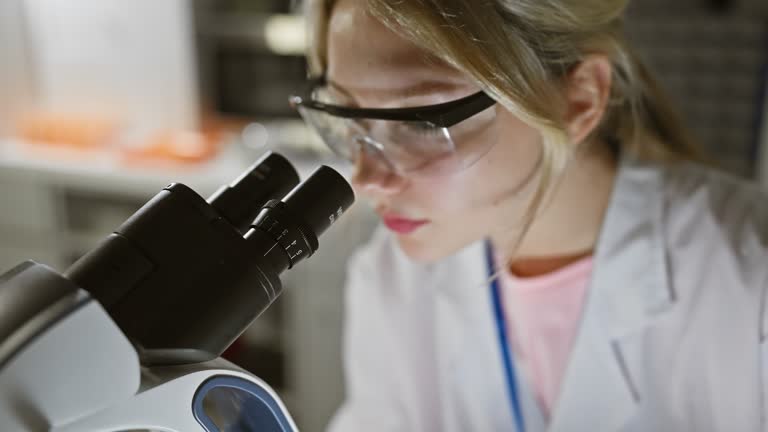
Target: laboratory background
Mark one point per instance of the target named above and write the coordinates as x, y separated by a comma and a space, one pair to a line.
105, 102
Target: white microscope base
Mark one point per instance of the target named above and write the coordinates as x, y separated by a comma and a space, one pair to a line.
167, 407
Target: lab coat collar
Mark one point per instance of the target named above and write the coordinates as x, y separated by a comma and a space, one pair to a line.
630, 289
631, 268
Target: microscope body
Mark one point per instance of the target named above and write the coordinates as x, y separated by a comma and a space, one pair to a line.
129, 338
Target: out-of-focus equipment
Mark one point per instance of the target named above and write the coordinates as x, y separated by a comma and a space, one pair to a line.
129, 337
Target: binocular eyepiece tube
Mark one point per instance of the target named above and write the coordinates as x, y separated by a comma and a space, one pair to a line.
184, 276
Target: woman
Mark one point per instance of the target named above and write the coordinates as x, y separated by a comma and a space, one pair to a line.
553, 260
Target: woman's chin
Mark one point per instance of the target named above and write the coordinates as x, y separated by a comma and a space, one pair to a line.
422, 250
417, 252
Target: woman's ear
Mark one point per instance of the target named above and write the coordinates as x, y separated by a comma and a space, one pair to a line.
588, 88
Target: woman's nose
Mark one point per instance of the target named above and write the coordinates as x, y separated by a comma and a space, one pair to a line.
374, 174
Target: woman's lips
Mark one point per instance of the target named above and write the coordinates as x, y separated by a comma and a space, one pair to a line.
402, 225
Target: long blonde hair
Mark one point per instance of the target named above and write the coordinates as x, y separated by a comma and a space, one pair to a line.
518, 51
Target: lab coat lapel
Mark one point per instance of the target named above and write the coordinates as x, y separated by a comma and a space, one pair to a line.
628, 291
451, 316
471, 375
451, 334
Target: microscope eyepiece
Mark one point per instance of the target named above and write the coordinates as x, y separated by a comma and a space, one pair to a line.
296, 222
337, 196
271, 177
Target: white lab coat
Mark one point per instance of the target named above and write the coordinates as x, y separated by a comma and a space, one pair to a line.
673, 336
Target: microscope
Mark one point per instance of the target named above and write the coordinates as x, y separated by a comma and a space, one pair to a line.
130, 337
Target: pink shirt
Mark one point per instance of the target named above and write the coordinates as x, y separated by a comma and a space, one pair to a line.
543, 314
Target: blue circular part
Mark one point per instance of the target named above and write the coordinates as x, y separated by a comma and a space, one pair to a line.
260, 412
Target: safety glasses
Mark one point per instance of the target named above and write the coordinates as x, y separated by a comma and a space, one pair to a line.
422, 142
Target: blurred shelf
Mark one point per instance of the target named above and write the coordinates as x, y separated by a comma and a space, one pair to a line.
104, 172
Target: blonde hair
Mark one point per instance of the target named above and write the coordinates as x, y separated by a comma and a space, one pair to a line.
518, 51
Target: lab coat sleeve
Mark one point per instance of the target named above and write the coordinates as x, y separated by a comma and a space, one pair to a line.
372, 402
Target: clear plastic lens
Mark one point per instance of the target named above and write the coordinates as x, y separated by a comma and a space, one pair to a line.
417, 149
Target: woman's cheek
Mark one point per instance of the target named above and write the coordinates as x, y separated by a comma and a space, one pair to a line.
441, 196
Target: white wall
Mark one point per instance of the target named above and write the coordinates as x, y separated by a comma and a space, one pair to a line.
130, 59
15, 91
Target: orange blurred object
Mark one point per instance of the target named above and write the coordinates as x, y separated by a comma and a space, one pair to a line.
178, 146
78, 131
